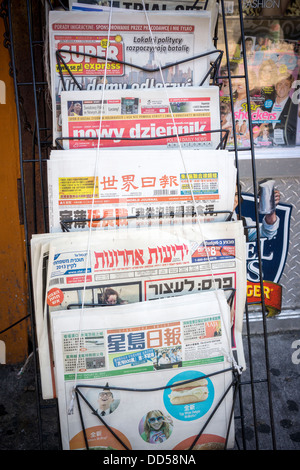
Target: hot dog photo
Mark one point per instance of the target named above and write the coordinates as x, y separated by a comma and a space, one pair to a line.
191, 392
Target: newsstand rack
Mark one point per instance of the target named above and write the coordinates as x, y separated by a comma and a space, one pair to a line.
25, 23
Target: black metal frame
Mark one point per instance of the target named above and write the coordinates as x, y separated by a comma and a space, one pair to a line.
41, 145
234, 383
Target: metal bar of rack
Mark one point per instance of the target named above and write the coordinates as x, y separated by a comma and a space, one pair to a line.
35, 135
254, 178
234, 383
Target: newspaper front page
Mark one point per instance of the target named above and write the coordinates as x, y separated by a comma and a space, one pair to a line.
211, 5
101, 268
157, 118
172, 345
108, 190
126, 51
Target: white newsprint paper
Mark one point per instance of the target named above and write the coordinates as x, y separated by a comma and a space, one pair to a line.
117, 267
161, 118
109, 190
176, 350
79, 43
159, 5
162, 5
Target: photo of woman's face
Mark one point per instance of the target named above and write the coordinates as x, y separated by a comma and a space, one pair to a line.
156, 422
111, 299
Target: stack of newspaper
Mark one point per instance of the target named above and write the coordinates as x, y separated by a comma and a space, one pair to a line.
127, 269
140, 205
139, 189
123, 49
183, 358
140, 265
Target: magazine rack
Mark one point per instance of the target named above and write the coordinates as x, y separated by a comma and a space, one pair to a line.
212, 72
234, 384
35, 137
67, 223
221, 145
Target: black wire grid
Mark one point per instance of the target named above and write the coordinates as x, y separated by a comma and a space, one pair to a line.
234, 384
35, 144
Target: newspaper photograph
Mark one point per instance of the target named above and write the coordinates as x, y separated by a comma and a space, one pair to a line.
162, 118
182, 364
86, 47
100, 269
106, 190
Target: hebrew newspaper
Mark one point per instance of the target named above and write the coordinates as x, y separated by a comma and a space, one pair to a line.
117, 267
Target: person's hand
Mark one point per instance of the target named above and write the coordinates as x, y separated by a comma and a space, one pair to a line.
71, 108
168, 420
271, 218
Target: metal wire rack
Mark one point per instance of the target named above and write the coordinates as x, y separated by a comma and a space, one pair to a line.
26, 35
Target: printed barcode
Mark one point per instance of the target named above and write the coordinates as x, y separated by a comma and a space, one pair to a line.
164, 192
60, 280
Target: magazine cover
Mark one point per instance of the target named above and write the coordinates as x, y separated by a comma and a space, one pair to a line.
125, 267
183, 363
187, 117
82, 43
273, 72
137, 189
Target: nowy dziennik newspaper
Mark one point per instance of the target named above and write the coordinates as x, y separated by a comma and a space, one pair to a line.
132, 50
101, 268
161, 118
107, 190
179, 346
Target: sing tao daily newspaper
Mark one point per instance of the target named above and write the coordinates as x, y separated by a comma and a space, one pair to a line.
148, 376
99, 268
107, 190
